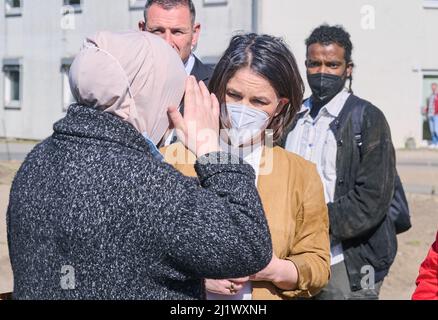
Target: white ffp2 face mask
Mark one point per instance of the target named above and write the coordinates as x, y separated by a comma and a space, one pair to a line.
246, 123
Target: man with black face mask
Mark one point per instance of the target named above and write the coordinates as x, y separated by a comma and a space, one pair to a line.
350, 142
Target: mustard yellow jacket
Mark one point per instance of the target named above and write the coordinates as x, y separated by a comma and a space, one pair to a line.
293, 198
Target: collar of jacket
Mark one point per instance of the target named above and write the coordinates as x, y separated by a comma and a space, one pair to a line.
344, 113
89, 123
201, 71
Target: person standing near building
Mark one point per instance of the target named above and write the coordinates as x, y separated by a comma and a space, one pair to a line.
357, 169
432, 115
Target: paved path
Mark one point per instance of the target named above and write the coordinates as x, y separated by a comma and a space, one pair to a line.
419, 171
15, 151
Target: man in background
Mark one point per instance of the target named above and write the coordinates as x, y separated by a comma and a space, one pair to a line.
175, 22
349, 140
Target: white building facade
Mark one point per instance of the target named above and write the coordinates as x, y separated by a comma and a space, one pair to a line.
38, 40
396, 50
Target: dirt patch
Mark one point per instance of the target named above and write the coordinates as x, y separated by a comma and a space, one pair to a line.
413, 247
8, 170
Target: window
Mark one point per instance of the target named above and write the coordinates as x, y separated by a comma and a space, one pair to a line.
72, 6
137, 4
430, 4
12, 83
67, 97
13, 8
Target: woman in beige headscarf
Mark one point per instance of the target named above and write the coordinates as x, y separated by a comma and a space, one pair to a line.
129, 82
95, 214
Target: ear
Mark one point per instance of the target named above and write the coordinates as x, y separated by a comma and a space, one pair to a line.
283, 102
196, 33
350, 67
142, 26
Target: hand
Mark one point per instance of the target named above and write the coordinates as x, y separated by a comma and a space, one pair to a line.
199, 129
268, 273
226, 287
282, 273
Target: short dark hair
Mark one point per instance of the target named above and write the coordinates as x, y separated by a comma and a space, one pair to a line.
327, 35
270, 58
170, 4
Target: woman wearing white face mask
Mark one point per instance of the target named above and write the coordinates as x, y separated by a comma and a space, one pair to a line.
259, 87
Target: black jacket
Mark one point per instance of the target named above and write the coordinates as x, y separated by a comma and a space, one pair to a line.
202, 72
92, 199
364, 190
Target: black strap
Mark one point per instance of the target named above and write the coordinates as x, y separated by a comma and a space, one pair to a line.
355, 107
357, 121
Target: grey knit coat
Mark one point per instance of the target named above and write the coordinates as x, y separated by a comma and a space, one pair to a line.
92, 215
